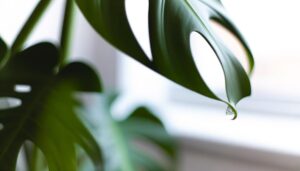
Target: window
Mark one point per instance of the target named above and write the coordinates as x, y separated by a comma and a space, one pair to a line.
272, 31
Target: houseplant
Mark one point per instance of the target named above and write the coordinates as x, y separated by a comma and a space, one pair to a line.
47, 112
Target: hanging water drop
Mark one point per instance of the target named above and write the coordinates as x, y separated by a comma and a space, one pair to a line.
231, 113
1, 126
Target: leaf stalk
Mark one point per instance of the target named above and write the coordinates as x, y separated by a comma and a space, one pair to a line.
66, 32
29, 26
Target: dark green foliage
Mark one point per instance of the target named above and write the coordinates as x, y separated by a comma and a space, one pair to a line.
3, 50
47, 115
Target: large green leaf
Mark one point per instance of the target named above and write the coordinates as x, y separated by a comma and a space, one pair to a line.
47, 114
171, 23
118, 138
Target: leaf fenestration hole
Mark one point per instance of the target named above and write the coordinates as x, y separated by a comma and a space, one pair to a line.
208, 64
231, 42
9, 103
137, 14
22, 157
20, 88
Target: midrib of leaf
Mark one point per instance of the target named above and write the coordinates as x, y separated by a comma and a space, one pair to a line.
187, 3
162, 28
209, 33
199, 19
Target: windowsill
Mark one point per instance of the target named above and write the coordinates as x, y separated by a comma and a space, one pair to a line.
259, 131
255, 137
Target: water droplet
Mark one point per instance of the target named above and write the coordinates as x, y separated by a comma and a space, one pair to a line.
1, 126
230, 113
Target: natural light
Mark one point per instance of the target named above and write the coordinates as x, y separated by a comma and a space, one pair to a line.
267, 126
268, 119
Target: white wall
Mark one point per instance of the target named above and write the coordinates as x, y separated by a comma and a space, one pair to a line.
87, 45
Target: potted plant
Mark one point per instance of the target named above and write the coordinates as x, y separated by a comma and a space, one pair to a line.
39, 109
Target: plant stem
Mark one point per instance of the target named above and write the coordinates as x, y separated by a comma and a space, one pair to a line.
29, 26
66, 33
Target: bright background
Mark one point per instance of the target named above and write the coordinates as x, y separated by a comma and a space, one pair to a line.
268, 122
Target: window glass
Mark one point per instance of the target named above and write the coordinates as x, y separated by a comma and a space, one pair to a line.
272, 31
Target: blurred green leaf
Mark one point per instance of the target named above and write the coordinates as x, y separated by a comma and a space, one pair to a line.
171, 23
3, 50
47, 114
142, 124
119, 138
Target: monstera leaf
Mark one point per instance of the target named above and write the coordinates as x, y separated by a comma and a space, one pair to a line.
46, 110
171, 23
119, 138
